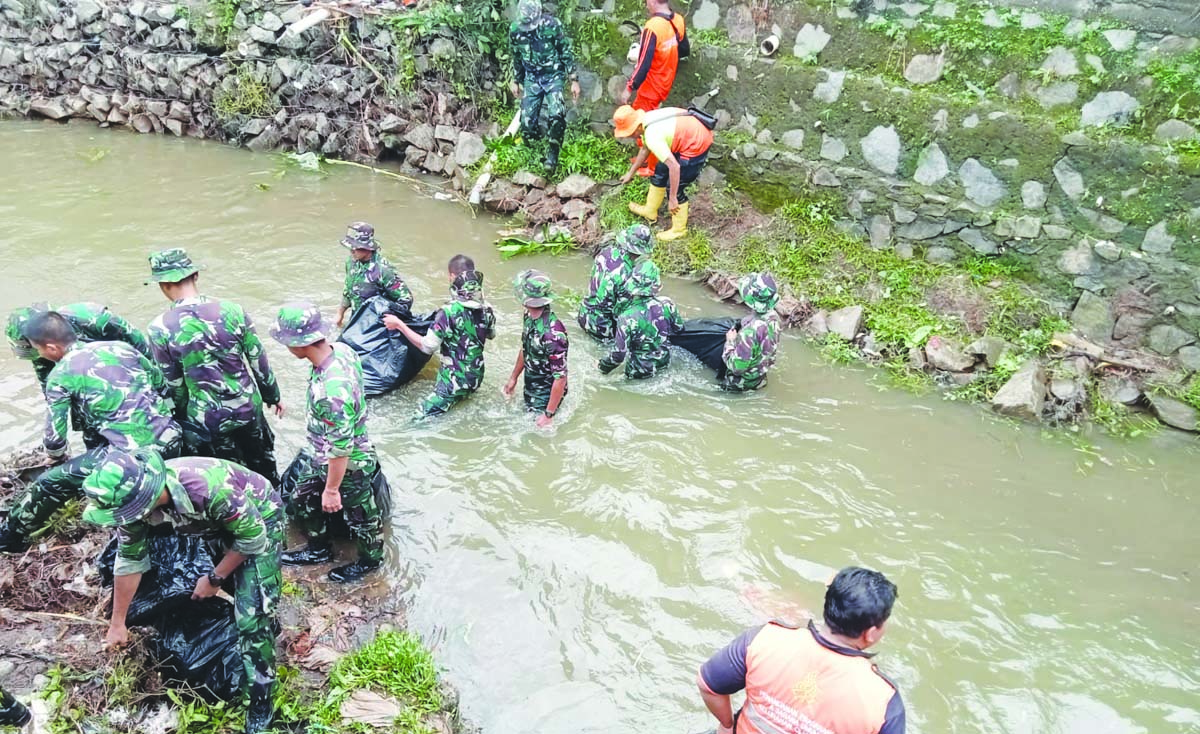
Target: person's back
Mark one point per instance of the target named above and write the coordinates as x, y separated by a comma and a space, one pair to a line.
464, 327
599, 308
542, 52
649, 323
674, 130
663, 37
751, 354
91, 322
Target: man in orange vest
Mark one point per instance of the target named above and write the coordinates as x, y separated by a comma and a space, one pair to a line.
663, 42
811, 680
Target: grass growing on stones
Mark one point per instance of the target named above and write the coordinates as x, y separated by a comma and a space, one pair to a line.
1117, 420
710, 37
598, 157
248, 97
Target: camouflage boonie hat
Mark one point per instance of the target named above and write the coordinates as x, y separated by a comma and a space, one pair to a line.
298, 325
171, 266
759, 291
534, 287
360, 236
529, 12
124, 488
467, 286
645, 280
636, 239
17, 321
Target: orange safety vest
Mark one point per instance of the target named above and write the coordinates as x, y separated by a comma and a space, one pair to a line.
661, 77
796, 685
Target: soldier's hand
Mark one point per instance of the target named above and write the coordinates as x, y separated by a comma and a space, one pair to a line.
331, 500
204, 589
509, 388
391, 322
515, 89
575, 91
279, 409
544, 421
116, 638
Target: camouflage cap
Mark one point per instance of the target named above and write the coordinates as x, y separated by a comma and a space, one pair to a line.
360, 236
171, 266
529, 12
759, 291
124, 488
298, 325
535, 288
636, 239
467, 286
645, 280
15, 331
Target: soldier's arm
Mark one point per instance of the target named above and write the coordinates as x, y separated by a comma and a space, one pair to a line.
252, 347
123, 331
337, 417
158, 381
232, 511
566, 57
133, 559
58, 416
673, 317
172, 370
619, 350
518, 55
396, 289
739, 351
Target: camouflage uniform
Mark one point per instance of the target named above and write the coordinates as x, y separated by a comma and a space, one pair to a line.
337, 427
607, 291
373, 277
215, 364
542, 62
750, 349
643, 327
121, 398
543, 342
459, 331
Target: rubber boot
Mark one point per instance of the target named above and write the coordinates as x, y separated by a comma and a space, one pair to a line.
552, 157
12, 711
11, 542
649, 210
261, 710
317, 551
354, 571
678, 224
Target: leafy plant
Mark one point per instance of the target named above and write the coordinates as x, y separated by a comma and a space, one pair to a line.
547, 242
248, 97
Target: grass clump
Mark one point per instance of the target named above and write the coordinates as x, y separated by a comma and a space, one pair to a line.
598, 157
248, 96
713, 37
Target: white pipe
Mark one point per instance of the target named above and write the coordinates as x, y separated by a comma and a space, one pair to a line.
486, 177
308, 21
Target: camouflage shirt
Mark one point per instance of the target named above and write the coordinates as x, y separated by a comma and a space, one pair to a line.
93, 322
208, 350
643, 329
117, 393
751, 352
374, 277
542, 53
211, 498
544, 343
337, 410
459, 331
607, 296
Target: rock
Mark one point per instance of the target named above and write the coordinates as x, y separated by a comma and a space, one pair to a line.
1109, 108
731, 73
1132, 325
528, 178
846, 322
1060, 62
810, 41
879, 230
793, 139
86, 11
1078, 260
982, 186
765, 138
448, 133
1076, 139
1032, 20
1096, 63
1069, 180
576, 186
922, 229
442, 48
392, 123
421, 136
992, 19
832, 148
1064, 389
1024, 395
902, 215
577, 209
1106, 224
971, 122
931, 166
1057, 95
469, 149
1189, 357
830, 90
1120, 39
1166, 339
904, 250
991, 348
706, 17
1056, 232
825, 177
1009, 86
1121, 390
1174, 413
739, 22
271, 22
881, 149
925, 68
1107, 250
1027, 227
256, 33
1093, 317
817, 325
1173, 131
55, 109
940, 255
945, 9
414, 156
1158, 240
749, 150
1033, 195
945, 355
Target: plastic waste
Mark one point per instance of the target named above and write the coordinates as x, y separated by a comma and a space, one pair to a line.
388, 360
705, 338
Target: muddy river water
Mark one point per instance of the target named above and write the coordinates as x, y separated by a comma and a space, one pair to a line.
572, 581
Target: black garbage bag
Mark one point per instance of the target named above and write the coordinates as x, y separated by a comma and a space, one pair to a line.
176, 561
337, 521
705, 338
388, 359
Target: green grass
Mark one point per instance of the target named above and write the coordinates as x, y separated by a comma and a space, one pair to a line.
249, 97
599, 158
714, 37
1117, 420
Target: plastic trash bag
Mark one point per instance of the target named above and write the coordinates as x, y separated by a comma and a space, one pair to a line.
705, 338
176, 561
388, 360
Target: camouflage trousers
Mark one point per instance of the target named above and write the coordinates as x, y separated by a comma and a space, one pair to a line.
306, 481
448, 390
543, 96
257, 585
252, 446
598, 322
639, 366
60, 484
739, 383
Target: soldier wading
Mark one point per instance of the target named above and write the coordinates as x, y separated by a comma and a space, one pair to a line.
608, 289
369, 274
644, 327
750, 346
543, 355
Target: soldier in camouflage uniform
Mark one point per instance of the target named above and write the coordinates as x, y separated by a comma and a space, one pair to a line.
459, 331
120, 396
607, 296
92, 322
750, 347
644, 327
335, 471
369, 274
542, 61
212, 498
543, 355
218, 371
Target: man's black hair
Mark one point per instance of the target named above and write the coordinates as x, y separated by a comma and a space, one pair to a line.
460, 264
49, 327
857, 600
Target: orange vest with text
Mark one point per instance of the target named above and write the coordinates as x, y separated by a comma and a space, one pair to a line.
661, 78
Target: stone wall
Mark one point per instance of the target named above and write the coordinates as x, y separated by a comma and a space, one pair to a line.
1178, 16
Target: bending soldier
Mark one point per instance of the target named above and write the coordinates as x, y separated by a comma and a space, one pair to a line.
543, 354
608, 289
644, 327
750, 347
369, 274
91, 322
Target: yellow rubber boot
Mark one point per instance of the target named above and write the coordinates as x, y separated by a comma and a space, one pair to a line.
678, 225
649, 210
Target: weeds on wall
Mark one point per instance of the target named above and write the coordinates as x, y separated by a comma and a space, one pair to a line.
247, 96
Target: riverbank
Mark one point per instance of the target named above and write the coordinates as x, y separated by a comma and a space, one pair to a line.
952, 211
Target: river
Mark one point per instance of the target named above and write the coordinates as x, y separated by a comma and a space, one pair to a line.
572, 581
